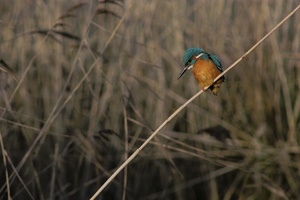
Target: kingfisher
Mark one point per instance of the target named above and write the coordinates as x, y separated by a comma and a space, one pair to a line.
205, 67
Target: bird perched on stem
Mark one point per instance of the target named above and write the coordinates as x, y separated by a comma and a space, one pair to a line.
205, 67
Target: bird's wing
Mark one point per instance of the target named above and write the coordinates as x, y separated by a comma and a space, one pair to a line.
216, 61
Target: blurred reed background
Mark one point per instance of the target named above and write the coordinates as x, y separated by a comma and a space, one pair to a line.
84, 79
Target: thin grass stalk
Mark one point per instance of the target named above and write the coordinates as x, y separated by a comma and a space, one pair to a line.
56, 110
5, 167
126, 146
50, 118
53, 176
18, 176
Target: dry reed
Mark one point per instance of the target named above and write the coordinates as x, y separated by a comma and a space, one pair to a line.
84, 84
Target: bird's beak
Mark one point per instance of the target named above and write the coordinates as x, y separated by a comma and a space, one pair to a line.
189, 66
183, 71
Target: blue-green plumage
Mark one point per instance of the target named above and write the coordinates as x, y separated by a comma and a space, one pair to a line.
187, 58
216, 61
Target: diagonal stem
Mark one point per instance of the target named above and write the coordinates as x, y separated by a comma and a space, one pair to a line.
126, 162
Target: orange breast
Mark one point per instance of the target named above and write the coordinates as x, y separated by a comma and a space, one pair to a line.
205, 72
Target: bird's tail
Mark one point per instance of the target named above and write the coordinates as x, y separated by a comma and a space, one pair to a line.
216, 86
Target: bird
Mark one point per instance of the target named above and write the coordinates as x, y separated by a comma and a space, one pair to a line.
205, 67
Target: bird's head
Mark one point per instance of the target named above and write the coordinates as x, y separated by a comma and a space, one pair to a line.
189, 59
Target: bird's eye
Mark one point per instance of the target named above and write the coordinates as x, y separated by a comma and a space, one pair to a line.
188, 62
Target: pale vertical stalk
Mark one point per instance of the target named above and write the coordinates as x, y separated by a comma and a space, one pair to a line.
126, 151
125, 141
52, 186
5, 167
